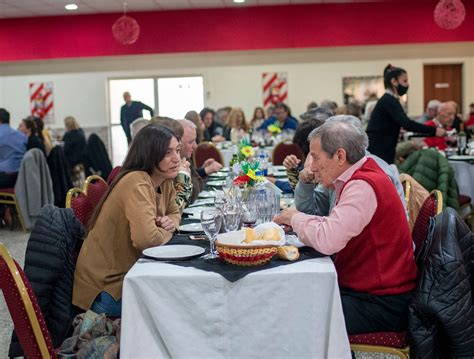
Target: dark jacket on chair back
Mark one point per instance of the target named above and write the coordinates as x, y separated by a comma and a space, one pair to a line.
50, 261
96, 158
441, 318
59, 175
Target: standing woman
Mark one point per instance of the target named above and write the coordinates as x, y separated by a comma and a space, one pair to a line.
28, 127
388, 116
74, 142
138, 211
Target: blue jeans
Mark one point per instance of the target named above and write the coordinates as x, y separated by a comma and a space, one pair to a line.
105, 303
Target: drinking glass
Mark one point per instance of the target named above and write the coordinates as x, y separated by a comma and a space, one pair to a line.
249, 214
232, 214
211, 221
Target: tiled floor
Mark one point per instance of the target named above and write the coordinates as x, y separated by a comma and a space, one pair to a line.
16, 243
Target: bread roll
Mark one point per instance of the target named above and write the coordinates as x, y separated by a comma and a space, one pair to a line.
290, 253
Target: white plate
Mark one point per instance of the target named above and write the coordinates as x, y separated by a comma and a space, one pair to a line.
461, 158
207, 194
279, 168
202, 201
191, 227
280, 174
215, 183
173, 252
216, 176
194, 210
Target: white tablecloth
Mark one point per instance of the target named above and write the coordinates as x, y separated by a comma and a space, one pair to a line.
464, 172
291, 311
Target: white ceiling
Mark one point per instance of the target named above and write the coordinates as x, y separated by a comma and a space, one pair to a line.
33, 8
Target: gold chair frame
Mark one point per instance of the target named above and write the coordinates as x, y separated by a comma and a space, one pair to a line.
402, 353
25, 298
407, 191
92, 179
71, 194
439, 200
10, 199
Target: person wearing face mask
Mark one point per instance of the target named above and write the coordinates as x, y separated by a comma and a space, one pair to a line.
388, 117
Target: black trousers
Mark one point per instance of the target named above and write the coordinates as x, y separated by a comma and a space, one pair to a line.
368, 313
7, 180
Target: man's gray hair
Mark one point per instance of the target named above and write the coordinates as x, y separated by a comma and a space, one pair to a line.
343, 131
319, 114
187, 123
137, 125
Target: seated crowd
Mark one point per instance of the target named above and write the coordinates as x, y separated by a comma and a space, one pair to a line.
338, 179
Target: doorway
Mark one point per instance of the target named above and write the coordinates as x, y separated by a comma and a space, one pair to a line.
444, 83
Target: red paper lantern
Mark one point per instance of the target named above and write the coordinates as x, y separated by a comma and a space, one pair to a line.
449, 14
126, 30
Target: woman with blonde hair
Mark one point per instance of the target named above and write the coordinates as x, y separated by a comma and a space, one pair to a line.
74, 142
236, 125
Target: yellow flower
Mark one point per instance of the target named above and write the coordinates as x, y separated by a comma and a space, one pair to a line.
247, 151
251, 174
274, 129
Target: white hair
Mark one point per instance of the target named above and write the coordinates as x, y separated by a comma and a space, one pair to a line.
187, 123
137, 125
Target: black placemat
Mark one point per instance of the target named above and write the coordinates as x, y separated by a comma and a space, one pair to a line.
229, 271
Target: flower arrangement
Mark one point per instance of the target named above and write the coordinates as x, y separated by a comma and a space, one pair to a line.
245, 152
248, 173
274, 128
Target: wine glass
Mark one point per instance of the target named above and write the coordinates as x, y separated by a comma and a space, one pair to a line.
249, 214
211, 221
232, 214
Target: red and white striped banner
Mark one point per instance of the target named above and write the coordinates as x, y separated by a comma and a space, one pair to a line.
41, 101
275, 88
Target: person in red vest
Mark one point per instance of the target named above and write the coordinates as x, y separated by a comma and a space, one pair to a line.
444, 119
367, 231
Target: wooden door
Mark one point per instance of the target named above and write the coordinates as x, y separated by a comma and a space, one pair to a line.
444, 83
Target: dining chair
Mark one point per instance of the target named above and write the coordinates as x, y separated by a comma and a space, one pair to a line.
204, 151
8, 197
284, 149
80, 204
395, 343
95, 187
406, 191
25, 312
113, 174
432, 206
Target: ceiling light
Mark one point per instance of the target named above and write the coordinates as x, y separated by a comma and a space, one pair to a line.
239, 1
71, 7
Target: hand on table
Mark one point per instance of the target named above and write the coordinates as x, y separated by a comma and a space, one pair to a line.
166, 223
212, 167
440, 132
285, 216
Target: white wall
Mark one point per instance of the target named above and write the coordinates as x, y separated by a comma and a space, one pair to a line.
80, 86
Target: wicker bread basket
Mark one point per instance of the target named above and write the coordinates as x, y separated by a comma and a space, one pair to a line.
246, 255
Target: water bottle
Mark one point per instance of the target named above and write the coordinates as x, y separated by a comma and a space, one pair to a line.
262, 159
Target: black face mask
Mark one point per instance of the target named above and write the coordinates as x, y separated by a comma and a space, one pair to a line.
402, 90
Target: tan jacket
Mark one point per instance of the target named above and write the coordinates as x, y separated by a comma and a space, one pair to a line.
125, 226
418, 195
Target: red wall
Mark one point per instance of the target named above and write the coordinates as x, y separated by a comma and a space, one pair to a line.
228, 29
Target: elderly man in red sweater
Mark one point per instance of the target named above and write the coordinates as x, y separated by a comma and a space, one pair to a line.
444, 119
367, 231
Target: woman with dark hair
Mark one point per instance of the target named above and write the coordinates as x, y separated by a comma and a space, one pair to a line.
137, 212
43, 134
214, 131
257, 118
388, 117
28, 127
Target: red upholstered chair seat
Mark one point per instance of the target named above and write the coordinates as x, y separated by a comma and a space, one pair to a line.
284, 149
115, 171
8, 190
387, 339
82, 208
462, 199
204, 151
95, 190
18, 312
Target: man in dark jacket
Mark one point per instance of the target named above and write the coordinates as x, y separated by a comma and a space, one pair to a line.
130, 112
441, 319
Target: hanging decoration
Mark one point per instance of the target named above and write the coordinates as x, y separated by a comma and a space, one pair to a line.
449, 14
126, 29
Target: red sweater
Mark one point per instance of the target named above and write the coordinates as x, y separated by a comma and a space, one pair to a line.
439, 142
380, 259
